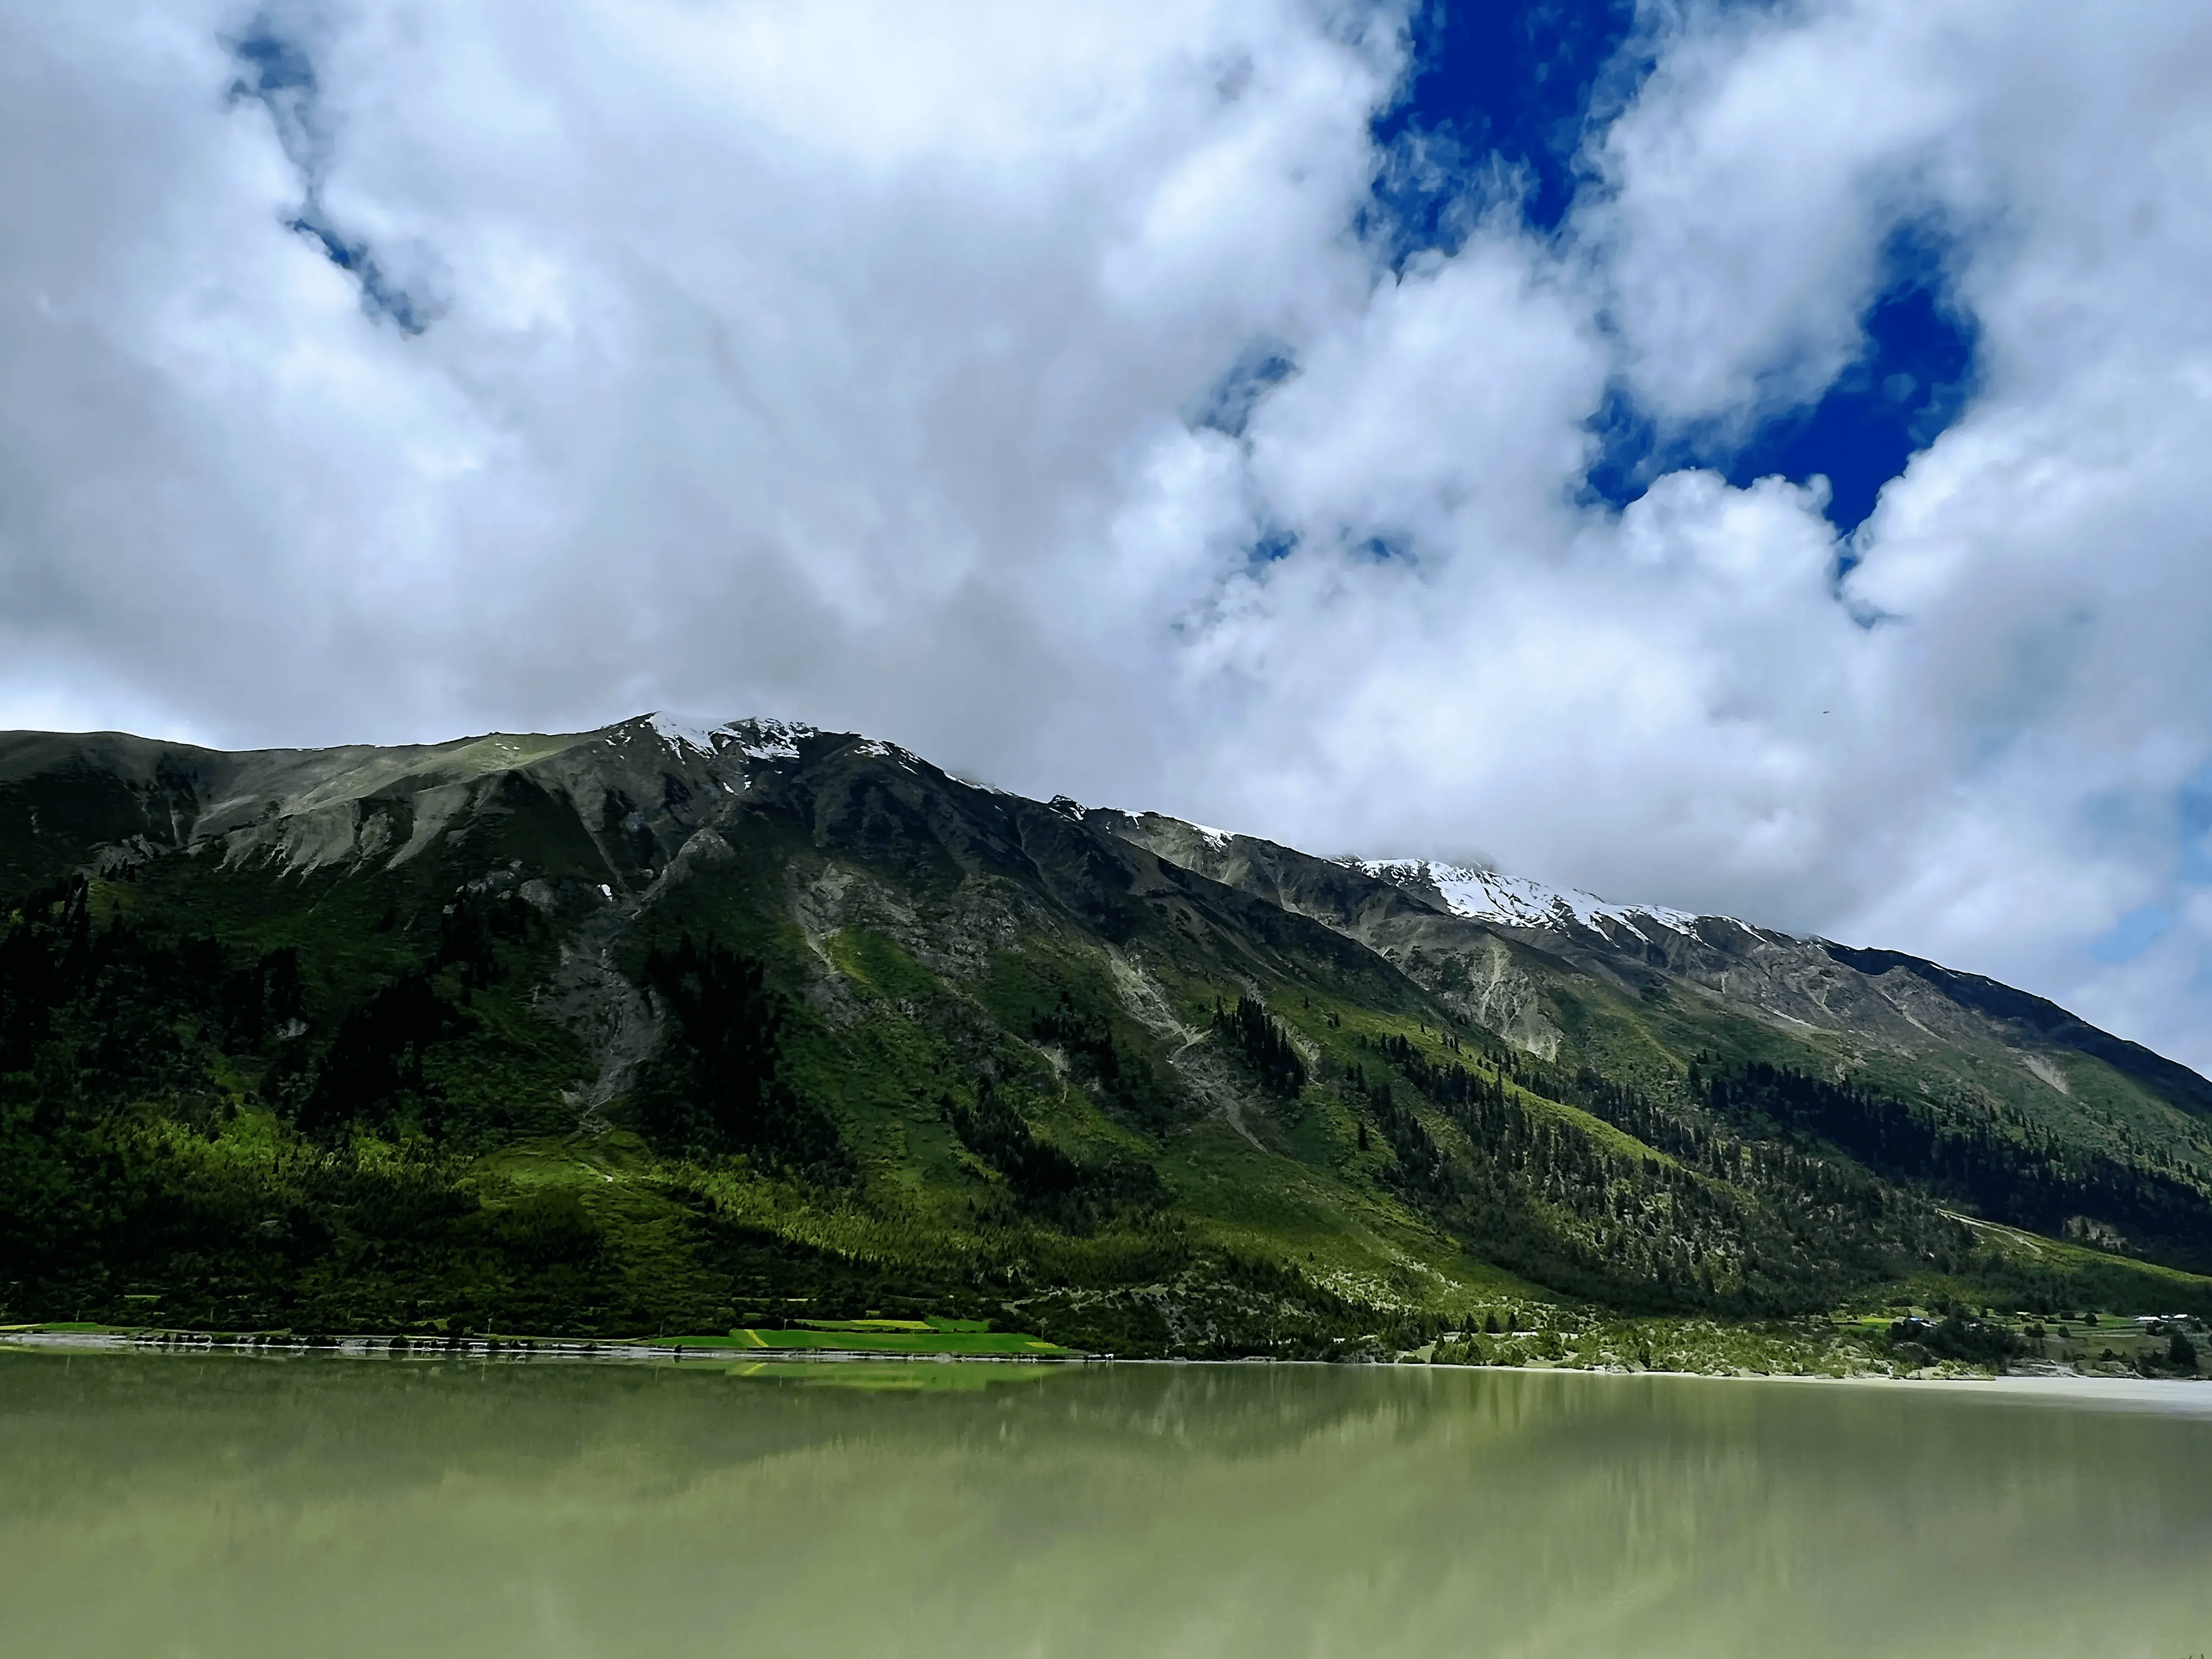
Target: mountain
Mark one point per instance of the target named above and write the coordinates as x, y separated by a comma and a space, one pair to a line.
1678, 982
675, 1026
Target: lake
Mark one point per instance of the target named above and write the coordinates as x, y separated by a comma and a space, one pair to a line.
177, 1506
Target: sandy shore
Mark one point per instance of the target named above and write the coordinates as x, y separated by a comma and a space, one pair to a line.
2179, 1395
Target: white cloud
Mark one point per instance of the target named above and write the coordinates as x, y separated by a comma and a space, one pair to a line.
834, 361
1747, 193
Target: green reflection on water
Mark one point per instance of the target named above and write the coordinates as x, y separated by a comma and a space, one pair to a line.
182, 1506
904, 1377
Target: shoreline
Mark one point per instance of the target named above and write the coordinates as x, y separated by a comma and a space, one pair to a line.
2135, 1392
605, 1350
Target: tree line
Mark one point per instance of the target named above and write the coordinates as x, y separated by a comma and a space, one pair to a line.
1993, 1162
1706, 1220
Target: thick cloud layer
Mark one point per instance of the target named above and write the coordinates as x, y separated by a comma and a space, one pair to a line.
1043, 390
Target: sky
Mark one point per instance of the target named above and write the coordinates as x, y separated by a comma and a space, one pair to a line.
1748, 458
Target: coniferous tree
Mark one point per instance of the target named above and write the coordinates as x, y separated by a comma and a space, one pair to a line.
1266, 1046
719, 1085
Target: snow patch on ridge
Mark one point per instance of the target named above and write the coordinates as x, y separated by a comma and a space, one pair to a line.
877, 746
1486, 895
678, 733
755, 739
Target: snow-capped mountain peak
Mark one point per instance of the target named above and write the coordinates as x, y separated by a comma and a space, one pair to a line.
755, 739
1517, 901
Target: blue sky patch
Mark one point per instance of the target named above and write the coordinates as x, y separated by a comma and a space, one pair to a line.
275, 70
1909, 381
1274, 544
1227, 406
1499, 92
1497, 105
2133, 934
2193, 807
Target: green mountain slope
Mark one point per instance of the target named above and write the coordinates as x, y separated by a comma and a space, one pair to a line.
2008, 1104
645, 1029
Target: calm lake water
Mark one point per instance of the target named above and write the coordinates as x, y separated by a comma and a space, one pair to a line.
171, 1506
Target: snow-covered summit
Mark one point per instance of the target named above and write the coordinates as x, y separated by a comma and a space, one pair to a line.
755, 739
1477, 893
1486, 895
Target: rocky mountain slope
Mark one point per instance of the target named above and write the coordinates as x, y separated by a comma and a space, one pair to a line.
1560, 971
669, 1026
